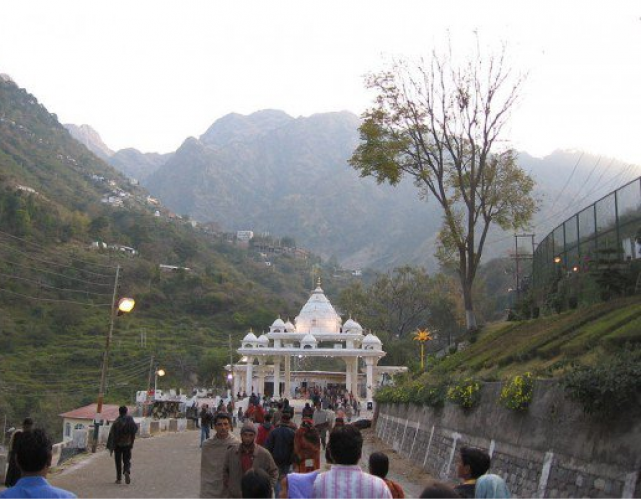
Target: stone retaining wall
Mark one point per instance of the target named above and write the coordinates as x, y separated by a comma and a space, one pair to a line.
553, 450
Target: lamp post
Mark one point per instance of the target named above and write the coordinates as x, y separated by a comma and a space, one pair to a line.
124, 305
159, 373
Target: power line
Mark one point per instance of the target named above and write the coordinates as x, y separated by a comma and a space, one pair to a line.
41, 299
567, 182
42, 285
40, 247
93, 283
43, 261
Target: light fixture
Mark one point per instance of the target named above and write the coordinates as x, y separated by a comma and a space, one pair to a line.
557, 260
125, 305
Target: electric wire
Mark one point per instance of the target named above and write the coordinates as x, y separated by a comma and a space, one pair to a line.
567, 182
62, 301
49, 262
573, 203
40, 247
42, 285
93, 283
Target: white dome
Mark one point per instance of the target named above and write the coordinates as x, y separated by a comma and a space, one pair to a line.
308, 341
352, 326
263, 340
279, 323
289, 326
318, 315
371, 341
250, 337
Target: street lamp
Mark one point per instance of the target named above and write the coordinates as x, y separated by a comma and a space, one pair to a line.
159, 373
124, 305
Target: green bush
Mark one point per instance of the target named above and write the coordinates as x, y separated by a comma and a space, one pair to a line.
466, 393
517, 393
608, 389
415, 393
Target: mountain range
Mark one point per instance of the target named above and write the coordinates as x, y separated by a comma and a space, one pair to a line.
271, 173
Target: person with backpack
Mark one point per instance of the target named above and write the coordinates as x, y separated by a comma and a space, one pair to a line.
121, 441
280, 443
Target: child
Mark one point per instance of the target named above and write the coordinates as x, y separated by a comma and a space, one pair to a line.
472, 463
379, 466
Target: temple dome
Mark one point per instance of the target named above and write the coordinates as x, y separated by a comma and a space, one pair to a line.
352, 326
289, 326
372, 342
263, 341
278, 325
250, 337
318, 315
308, 341
249, 340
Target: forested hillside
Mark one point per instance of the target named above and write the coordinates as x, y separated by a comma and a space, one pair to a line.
67, 222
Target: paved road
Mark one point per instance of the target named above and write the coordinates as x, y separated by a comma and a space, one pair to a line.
166, 466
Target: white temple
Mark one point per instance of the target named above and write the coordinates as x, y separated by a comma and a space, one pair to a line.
318, 331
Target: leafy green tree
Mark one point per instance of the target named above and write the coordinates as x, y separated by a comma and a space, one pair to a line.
397, 302
439, 124
212, 366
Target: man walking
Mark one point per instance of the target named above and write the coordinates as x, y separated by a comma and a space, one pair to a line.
280, 444
213, 456
321, 423
346, 479
206, 419
245, 456
121, 441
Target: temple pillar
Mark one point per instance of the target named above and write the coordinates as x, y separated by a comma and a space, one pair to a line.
236, 380
348, 374
249, 376
369, 384
261, 376
355, 378
288, 376
276, 377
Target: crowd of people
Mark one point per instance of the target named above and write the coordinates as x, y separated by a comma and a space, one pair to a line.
276, 458
273, 458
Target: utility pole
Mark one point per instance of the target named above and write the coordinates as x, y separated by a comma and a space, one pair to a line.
231, 367
105, 364
151, 372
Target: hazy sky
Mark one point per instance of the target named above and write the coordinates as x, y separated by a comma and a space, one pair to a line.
148, 74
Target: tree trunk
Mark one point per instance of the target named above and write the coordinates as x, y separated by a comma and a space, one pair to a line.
470, 316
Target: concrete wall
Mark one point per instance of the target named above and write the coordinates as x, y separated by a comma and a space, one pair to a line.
553, 450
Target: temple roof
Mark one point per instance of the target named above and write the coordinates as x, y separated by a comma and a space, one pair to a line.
318, 315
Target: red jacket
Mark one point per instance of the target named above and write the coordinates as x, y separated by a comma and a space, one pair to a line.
263, 432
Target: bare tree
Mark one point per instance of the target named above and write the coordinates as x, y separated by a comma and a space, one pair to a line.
441, 124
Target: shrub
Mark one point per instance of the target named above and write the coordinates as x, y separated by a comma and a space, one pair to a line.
466, 393
415, 392
608, 389
517, 393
